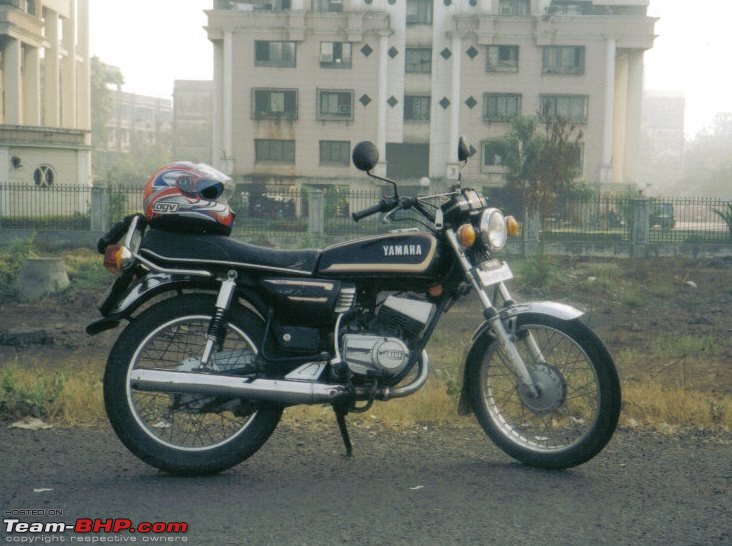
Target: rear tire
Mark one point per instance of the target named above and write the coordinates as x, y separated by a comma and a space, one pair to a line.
577, 411
186, 434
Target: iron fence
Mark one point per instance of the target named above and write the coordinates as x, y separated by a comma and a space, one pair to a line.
663, 220
267, 211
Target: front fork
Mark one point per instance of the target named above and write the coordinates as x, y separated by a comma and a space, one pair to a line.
503, 335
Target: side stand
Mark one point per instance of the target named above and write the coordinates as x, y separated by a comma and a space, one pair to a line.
341, 413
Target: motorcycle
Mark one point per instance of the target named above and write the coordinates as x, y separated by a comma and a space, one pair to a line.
222, 335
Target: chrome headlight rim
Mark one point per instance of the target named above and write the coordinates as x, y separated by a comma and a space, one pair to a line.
493, 231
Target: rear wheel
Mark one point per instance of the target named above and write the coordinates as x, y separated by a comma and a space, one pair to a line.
186, 433
578, 405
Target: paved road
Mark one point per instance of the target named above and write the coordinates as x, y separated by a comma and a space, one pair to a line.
422, 487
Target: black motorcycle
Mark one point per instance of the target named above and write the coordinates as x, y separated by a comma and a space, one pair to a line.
223, 335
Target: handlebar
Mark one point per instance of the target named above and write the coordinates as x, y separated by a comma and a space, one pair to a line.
387, 203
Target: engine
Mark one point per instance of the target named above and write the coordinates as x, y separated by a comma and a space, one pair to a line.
383, 349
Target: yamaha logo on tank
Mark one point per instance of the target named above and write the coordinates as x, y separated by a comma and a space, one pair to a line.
402, 250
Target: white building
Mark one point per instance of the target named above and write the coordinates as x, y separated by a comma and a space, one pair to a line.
44, 79
299, 82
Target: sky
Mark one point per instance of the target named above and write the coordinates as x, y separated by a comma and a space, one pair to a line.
690, 56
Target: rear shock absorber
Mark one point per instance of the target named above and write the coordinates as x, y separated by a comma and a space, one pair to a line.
216, 334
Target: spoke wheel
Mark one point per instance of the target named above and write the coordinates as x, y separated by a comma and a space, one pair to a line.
186, 433
578, 402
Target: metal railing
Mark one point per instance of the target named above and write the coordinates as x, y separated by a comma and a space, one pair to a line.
327, 212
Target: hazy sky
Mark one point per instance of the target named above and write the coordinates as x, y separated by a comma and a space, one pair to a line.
690, 56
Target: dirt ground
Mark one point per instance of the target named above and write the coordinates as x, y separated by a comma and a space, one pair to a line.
664, 320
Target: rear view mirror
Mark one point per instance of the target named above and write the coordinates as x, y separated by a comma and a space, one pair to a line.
465, 150
365, 156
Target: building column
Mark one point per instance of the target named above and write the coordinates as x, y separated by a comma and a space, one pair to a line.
83, 89
620, 117
227, 156
634, 112
68, 112
51, 112
31, 86
218, 109
12, 82
454, 131
382, 98
606, 167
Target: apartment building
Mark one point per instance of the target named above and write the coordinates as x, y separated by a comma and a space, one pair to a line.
138, 122
44, 92
192, 120
299, 82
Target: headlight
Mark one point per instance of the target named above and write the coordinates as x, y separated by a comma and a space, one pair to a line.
493, 229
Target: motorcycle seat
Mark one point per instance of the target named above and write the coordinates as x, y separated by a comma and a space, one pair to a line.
199, 251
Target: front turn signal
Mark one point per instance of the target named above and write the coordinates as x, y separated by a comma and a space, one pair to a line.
467, 235
512, 227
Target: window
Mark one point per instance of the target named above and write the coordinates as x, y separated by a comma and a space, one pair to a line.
502, 58
335, 105
501, 107
416, 108
418, 61
419, 12
564, 60
278, 54
44, 176
335, 152
328, 6
573, 108
335, 55
274, 104
277, 151
494, 152
513, 8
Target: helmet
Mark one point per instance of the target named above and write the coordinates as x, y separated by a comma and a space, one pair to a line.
188, 197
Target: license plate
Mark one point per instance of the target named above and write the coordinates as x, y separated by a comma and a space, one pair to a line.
493, 272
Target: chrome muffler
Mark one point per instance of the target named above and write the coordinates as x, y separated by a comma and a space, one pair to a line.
271, 390
281, 391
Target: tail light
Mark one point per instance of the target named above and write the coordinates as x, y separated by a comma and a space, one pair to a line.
117, 258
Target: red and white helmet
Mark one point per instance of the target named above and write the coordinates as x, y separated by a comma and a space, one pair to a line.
189, 197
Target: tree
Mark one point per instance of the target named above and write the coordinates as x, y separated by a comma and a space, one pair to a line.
101, 77
541, 165
708, 165
121, 168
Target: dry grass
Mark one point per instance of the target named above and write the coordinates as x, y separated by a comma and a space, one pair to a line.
71, 395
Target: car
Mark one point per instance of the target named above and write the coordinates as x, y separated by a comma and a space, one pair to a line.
662, 215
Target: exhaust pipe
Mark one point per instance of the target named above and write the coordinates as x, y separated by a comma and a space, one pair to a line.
280, 391
271, 390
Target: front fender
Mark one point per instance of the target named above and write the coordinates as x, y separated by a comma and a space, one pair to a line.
483, 338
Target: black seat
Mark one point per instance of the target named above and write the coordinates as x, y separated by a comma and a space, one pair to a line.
193, 251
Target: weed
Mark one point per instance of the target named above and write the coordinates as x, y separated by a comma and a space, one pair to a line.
11, 260
631, 299
536, 272
85, 270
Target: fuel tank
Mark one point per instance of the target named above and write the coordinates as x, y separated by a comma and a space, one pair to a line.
401, 254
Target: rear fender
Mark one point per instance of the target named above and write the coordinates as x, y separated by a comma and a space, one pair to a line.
154, 284
483, 338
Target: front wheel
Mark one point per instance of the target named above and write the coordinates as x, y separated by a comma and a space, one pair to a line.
186, 433
578, 405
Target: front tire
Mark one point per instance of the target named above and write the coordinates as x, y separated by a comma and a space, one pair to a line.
186, 433
577, 410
